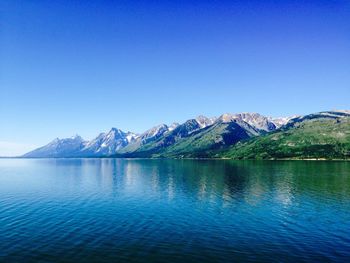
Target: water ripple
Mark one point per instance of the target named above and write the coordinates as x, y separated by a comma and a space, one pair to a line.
107, 210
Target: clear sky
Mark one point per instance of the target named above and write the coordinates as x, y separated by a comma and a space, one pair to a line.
82, 67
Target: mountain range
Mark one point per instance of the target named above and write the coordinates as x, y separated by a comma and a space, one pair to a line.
238, 136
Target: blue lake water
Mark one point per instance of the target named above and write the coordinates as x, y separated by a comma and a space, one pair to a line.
115, 210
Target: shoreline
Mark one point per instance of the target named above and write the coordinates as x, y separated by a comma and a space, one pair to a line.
216, 159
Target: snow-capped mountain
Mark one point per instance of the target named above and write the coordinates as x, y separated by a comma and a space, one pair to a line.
280, 121
258, 121
173, 126
108, 143
193, 125
255, 120
205, 121
147, 137
153, 133
335, 115
163, 136
227, 128
68, 147
116, 141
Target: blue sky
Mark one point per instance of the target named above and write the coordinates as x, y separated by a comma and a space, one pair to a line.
82, 67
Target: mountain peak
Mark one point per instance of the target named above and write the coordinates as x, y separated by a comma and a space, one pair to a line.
115, 130
173, 126
108, 143
188, 135
227, 117
280, 121
77, 137
255, 120
153, 133
204, 121
67, 147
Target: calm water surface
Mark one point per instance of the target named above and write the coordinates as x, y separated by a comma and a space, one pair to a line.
114, 210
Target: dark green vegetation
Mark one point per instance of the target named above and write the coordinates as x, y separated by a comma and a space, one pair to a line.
200, 143
315, 136
323, 135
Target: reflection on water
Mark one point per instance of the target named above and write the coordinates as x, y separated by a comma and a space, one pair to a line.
174, 210
205, 179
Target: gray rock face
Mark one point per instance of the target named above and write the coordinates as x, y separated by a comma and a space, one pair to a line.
255, 120
153, 133
338, 114
205, 121
228, 128
68, 147
108, 143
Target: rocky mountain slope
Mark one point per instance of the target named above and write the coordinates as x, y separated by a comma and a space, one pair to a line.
68, 147
241, 136
324, 135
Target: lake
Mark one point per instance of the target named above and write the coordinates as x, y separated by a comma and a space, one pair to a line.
109, 210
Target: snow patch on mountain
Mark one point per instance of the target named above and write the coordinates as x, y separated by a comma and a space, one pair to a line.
204, 121
108, 143
255, 120
280, 121
117, 141
59, 148
153, 133
173, 126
